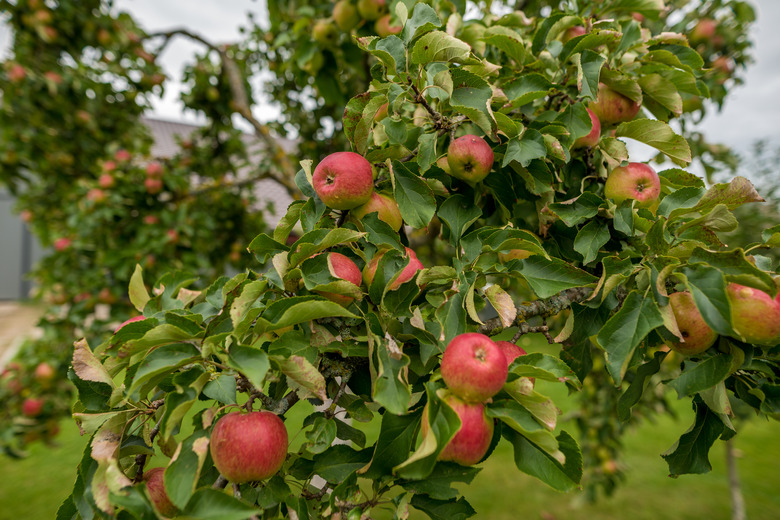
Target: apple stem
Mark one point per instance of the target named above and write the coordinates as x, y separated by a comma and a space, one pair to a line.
237, 491
220, 483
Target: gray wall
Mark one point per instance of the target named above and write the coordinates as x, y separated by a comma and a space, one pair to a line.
18, 251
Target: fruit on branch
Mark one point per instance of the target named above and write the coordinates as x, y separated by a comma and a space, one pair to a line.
343, 180
383, 28
153, 185
722, 67
473, 367
470, 158
325, 33
343, 268
32, 406
44, 373
636, 181
697, 335
472, 439
156, 488
407, 273
16, 73
96, 195
106, 180
131, 320
612, 107
384, 206
371, 9
510, 351
248, 446
755, 315
345, 14
154, 169
123, 155
592, 139
703, 31
573, 32
62, 243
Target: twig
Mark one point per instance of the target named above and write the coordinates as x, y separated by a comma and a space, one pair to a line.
220, 483
140, 459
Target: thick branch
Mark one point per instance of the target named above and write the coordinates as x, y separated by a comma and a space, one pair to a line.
544, 308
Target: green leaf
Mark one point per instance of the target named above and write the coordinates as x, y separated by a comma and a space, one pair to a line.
517, 417
699, 376
438, 485
737, 192
321, 435
548, 277
589, 65
660, 136
391, 388
427, 154
708, 288
423, 19
624, 331
213, 504
524, 150
507, 40
137, 290
682, 198
182, 474
690, 453
531, 459
439, 46
380, 233
736, 267
302, 375
575, 211
222, 389
458, 214
253, 363
453, 509
162, 361
471, 97
526, 89
415, 199
590, 239
546, 367
396, 440
662, 91
391, 51
336, 463
353, 114
299, 309
633, 393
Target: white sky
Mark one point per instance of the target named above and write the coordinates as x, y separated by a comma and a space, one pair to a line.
751, 112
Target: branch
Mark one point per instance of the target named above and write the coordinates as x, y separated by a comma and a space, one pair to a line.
548, 307
140, 460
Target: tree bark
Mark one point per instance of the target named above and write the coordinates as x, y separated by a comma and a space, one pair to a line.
737, 500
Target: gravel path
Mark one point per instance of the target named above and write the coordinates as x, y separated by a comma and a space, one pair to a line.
17, 320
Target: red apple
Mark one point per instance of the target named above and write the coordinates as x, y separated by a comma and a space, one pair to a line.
510, 350
131, 320
345, 14
106, 180
592, 139
612, 107
325, 33
697, 335
754, 314
384, 206
371, 9
573, 32
16, 73
44, 373
122, 155
474, 367
26, 215
108, 166
151, 220
248, 446
62, 243
470, 158
96, 195
407, 273
343, 180
381, 113
154, 169
343, 268
636, 181
156, 488
153, 185
53, 77
472, 440
383, 28
703, 31
173, 236
32, 406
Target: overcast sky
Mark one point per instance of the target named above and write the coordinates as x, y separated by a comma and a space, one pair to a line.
752, 111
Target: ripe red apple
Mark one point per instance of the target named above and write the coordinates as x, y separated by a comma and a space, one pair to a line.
122, 155
636, 181
153, 185
345, 14
472, 440
612, 107
325, 33
108, 166
131, 320
53, 77
32, 406
703, 31
62, 243
754, 314
26, 215
697, 335
96, 195
343, 268
371, 9
473, 367
573, 32
156, 488
510, 350
384, 206
248, 446
470, 158
383, 28
151, 220
343, 180
106, 180
44, 372
154, 169
16, 73
407, 273
592, 139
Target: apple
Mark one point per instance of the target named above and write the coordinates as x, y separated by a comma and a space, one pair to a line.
53, 77
573, 32
510, 350
371, 9
343, 180
407, 273
96, 195
470, 158
636, 181
346, 15
592, 139
472, 440
154, 169
697, 335
343, 268
44, 372
106, 180
383, 28
26, 215
105, 296
151, 220
703, 31
754, 314
122, 155
325, 33
131, 320
250, 446
474, 367
153, 185
32, 406
722, 67
156, 488
384, 206
16, 73
62, 243
612, 107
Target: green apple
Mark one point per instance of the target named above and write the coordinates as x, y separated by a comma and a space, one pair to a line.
346, 15
612, 107
371, 9
325, 33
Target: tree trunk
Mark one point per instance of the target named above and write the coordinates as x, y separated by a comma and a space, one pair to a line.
737, 500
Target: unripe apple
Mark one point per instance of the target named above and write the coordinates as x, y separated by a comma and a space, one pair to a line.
325, 33
384, 206
703, 31
636, 181
153, 185
473, 367
346, 15
472, 440
407, 273
156, 488
383, 28
248, 447
343, 180
44, 373
32, 406
612, 107
592, 139
131, 320
754, 314
697, 335
343, 268
106, 180
371, 9
470, 158
62, 243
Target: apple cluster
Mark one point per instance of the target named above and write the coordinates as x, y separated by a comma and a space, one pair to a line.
348, 15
